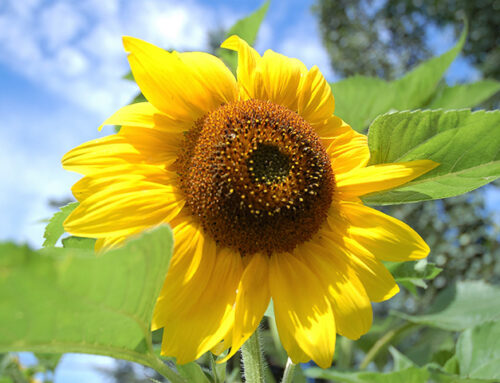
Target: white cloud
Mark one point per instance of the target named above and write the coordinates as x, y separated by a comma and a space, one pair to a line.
59, 24
74, 48
71, 61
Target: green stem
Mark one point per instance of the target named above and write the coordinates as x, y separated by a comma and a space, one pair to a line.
165, 371
289, 371
213, 367
253, 359
383, 342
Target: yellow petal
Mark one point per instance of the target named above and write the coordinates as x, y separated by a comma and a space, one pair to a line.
302, 308
107, 243
139, 114
316, 103
380, 177
252, 300
277, 78
120, 174
130, 146
293, 350
189, 270
201, 323
385, 237
350, 302
124, 208
347, 148
247, 61
378, 281
184, 86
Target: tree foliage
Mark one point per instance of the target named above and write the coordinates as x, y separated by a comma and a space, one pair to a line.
387, 38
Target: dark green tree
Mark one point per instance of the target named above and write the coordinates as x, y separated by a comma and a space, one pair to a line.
387, 38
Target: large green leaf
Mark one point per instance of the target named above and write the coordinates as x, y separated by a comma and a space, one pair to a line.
464, 95
246, 28
359, 99
460, 307
465, 143
408, 375
478, 352
54, 228
418, 86
70, 300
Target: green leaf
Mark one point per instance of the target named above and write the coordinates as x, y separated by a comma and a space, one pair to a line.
440, 375
451, 366
401, 361
270, 310
69, 300
49, 361
465, 144
247, 29
359, 99
464, 95
78, 243
414, 272
460, 307
478, 352
193, 373
129, 76
139, 98
408, 375
54, 228
417, 87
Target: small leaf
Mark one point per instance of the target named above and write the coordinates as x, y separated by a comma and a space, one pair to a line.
129, 76
408, 375
478, 352
247, 29
270, 310
460, 307
465, 144
49, 361
451, 366
193, 372
464, 95
359, 99
78, 243
54, 228
68, 300
414, 272
401, 361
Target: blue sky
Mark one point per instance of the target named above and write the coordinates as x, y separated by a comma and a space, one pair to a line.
61, 68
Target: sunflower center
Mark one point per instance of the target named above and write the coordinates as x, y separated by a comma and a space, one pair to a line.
256, 176
268, 164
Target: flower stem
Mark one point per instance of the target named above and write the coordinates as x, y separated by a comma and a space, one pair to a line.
165, 371
289, 371
213, 367
383, 342
253, 359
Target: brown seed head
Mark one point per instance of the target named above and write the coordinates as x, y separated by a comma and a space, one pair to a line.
256, 176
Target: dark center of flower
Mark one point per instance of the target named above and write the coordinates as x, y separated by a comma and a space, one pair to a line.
256, 176
268, 164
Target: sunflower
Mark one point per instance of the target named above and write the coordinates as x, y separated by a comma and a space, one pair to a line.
261, 184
